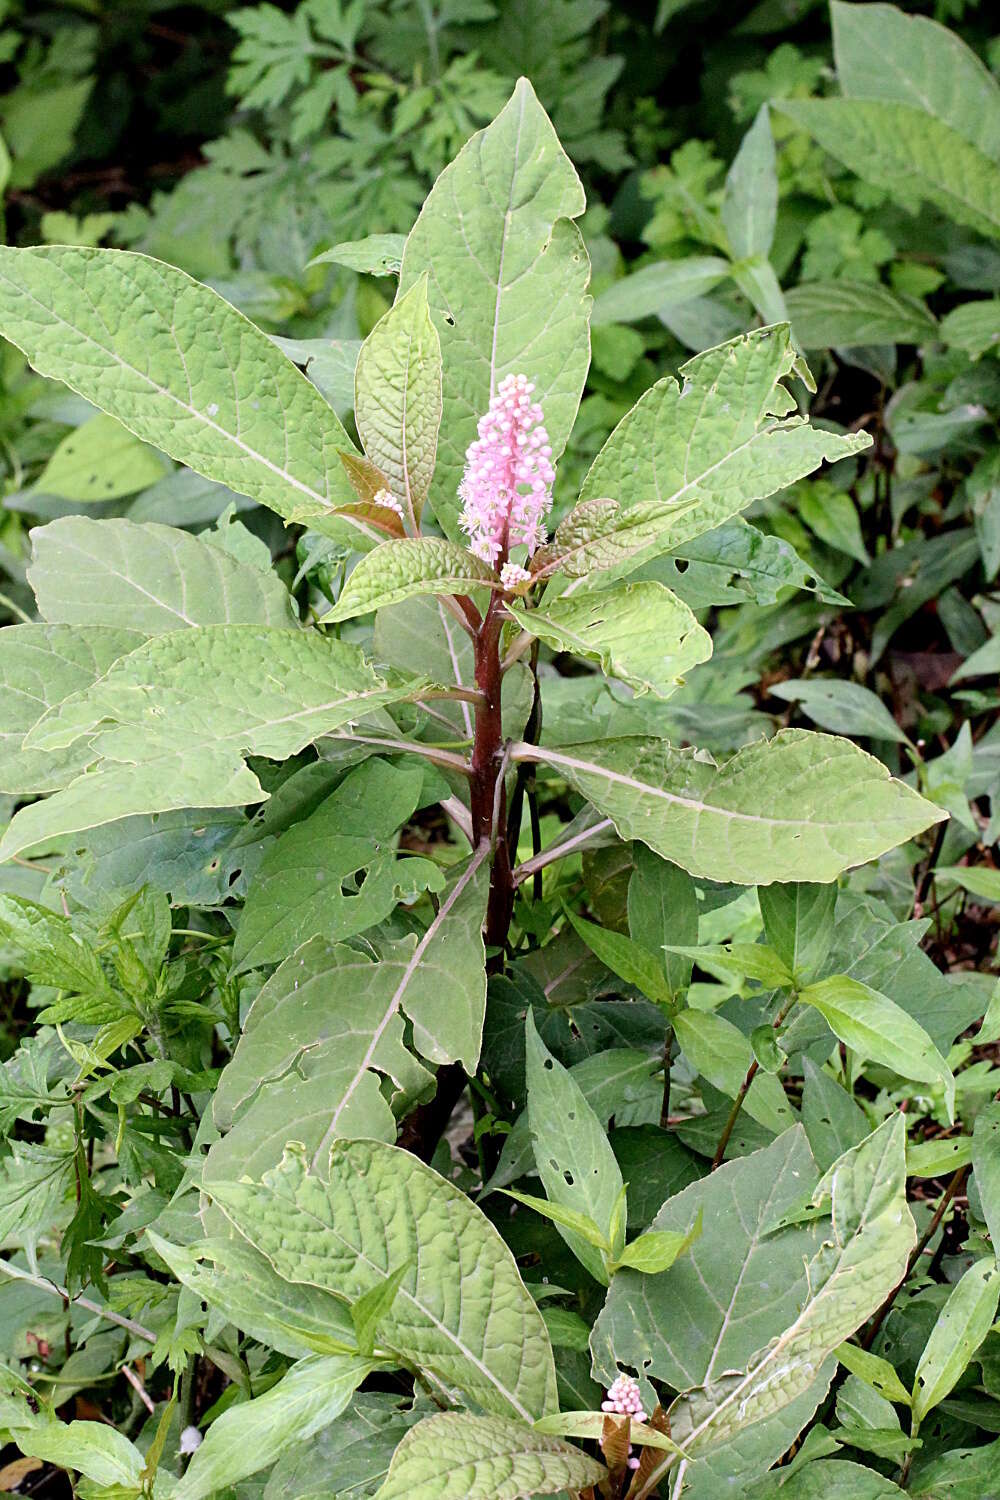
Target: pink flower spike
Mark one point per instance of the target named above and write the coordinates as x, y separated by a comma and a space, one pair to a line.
506, 490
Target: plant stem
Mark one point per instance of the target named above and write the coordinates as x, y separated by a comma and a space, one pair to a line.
488, 794
734, 1113
954, 1187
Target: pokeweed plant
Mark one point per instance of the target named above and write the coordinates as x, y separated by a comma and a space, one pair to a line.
172, 684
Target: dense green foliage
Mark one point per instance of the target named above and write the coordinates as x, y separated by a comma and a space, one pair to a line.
433, 990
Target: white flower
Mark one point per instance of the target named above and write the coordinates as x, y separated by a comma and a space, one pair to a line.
191, 1439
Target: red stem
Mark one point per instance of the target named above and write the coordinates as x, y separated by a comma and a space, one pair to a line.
488, 795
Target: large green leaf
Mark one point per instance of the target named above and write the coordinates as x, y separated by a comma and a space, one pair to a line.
100, 460
458, 1456
250, 1436
462, 1313
961, 1327
413, 565
828, 313
723, 439
351, 1456
722, 1054
397, 402
737, 1287
507, 280
173, 721
147, 577
183, 370
639, 632
864, 1253
645, 291
40, 666
737, 821
908, 153
331, 1020
572, 1156
304, 886
931, 68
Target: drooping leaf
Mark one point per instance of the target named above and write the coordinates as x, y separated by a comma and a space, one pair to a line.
397, 401
147, 578
878, 1029
722, 439
250, 1436
639, 632
643, 292
843, 707
572, 1155
40, 666
221, 691
458, 1456
507, 276
413, 565
829, 314
119, 328
961, 1326
734, 822
462, 1314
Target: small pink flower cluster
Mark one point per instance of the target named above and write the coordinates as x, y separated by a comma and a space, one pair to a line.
624, 1398
506, 490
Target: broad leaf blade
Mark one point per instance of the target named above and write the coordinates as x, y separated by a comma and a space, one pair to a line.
113, 325
458, 1456
961, 1326
413, 565
507, 278
462, 1313
733, 822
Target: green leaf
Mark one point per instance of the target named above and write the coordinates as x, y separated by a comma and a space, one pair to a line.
973, 327
50, 951
986, 1165
831, 514
744, 960
369, 1310
978, 880
351, 1456
848, 1279
798, 923
843, 707
92, 1448
635, 964
827, 1479
829, 314
640, 633
750, 200
723, 440
642, 293
462, 1314
397, 403
457, 1456
251, 1436
874, 1371
663, 909
580, 1225
331, 1020
961, 1326
590, 1424
375, 255
935, 1157
833, 1121
572, 1154
507, 276
100, 460
183, 370
879, 1030
932, 69
906, 152
738, 1287
148, 578
600, 535
220, 692
657, 1249
413, 565
241, 1284
303, 887
734, 822
720, 1052
41, 666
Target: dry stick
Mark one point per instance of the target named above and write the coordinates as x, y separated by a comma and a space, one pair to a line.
752, 1072
954, 1187
139, 1388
